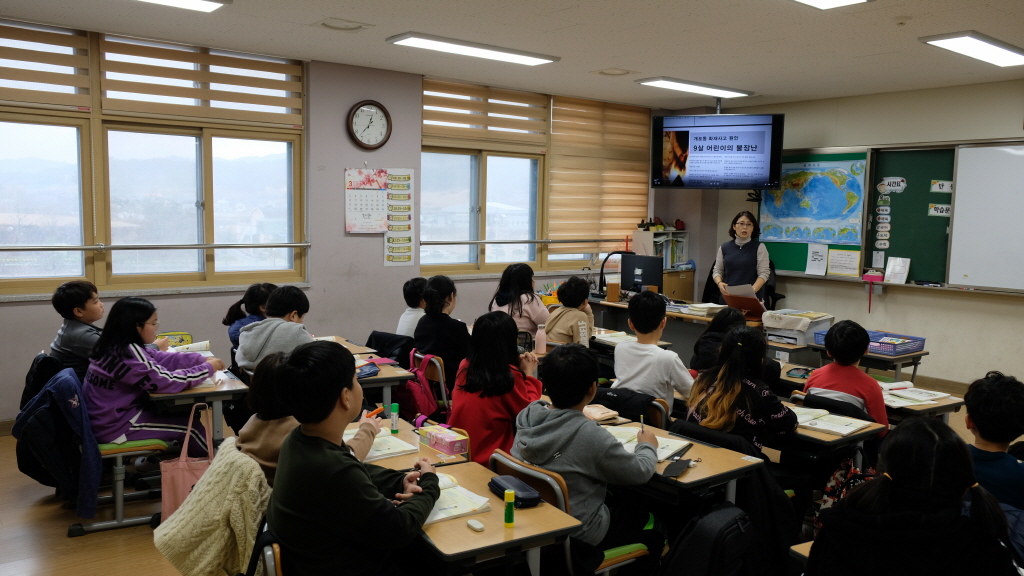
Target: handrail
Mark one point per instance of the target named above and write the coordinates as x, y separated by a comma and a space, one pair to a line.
104, 247
460, 242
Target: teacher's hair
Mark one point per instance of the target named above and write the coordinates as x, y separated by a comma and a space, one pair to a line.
755, 234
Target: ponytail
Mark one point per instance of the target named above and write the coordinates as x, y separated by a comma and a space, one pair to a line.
255, 297
987, 516
436, 293
265, 397
715, 393
234, 313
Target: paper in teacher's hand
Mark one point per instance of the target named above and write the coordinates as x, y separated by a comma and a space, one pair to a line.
745, 290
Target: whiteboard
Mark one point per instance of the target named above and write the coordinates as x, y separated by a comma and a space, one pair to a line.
987, 244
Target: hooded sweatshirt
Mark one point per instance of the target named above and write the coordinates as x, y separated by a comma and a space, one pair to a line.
570, 325
261, 339
534, 311
586, 456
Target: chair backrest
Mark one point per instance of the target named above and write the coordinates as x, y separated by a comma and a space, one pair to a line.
551, 307
836, 407
394, 346
551, 486
435, 368
657, 413
524, 340
714, 437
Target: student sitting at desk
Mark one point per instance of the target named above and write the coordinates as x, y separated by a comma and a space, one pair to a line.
79, 304
494, 384
255, 302
846, 342
332, 513
437, 332
559, 438
122, 371
995, 416
412, 291
262, 436
705, 350
517, 297
911, 518
642, 366
574, 320
282, 331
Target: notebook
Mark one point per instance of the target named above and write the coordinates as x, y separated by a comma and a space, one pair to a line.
193, 347
835, 424
894, 401
666, 446
211, 382
890, 386
385, 445
807, 414
455, 501
919, 394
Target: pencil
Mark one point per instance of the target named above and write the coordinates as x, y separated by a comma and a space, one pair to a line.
375, 412
641, 422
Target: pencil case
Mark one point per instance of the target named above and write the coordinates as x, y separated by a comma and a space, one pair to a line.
526, 497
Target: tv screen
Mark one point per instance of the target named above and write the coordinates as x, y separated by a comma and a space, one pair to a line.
736, 151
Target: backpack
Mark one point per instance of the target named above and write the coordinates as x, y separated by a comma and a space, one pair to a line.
414, 396
712, 545
845, 478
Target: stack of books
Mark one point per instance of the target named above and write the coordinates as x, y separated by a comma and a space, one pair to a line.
704, 309
613, 338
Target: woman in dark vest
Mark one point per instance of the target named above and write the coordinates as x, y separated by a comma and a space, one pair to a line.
742, 260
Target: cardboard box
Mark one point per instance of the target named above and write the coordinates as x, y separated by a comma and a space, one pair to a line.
444, 440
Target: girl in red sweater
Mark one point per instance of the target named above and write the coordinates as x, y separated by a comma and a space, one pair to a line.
493, 385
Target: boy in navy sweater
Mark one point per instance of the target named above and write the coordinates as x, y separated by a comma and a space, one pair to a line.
995, 415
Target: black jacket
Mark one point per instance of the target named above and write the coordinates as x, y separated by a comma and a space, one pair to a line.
444, 336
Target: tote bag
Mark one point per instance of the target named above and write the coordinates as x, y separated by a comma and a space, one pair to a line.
180, 475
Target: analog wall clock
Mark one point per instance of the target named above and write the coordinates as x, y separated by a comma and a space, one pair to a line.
369, 124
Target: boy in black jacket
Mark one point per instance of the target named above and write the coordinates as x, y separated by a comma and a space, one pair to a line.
332, 513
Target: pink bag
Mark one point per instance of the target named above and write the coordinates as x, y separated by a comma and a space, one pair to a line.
415, 396
180, 475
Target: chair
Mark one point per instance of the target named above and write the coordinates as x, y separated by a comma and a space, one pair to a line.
393, 346
551, 307
524, 340
268, 549
553, 490
771, 297
118, 452
658, 414
435, 373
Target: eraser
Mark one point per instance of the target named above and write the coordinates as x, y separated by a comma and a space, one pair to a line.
475, 526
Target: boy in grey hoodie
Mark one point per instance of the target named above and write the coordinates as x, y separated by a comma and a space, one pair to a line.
282, 331
559, 438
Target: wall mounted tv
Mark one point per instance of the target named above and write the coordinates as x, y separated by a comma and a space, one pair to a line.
735, 151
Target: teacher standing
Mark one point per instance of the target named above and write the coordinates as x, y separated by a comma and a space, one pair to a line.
742, 260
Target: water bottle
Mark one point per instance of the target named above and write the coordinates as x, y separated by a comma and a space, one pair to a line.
540, 341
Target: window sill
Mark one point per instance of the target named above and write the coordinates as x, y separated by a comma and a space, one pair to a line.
536, 274
147, 292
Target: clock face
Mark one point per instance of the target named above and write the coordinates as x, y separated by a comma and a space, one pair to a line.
369, 125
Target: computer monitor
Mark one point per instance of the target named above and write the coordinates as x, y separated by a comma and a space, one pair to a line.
637, 271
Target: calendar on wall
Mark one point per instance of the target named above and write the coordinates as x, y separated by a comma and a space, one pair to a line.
366, 208
381, 200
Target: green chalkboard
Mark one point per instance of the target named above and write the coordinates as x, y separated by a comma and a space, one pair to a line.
792, 256
913, 233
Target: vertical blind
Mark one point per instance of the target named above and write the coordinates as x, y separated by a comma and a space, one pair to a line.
459, 115
38, 66
599, 166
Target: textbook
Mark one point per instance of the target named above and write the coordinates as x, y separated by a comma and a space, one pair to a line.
614, 338
704, 309
193, 347
890, 386
834, 424
666, 446
804, 415
919, 394
894, 401
384, 445
455, 501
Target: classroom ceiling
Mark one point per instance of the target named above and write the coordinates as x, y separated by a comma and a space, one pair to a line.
781, 50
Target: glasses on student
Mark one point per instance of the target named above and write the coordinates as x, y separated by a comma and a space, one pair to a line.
155, 324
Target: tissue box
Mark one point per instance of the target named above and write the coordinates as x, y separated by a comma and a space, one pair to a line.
444, 440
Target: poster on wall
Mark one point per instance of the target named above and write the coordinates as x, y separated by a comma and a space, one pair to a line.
366, 200
399, 239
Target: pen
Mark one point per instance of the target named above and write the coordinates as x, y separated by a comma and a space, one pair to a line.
375, 412
641, 423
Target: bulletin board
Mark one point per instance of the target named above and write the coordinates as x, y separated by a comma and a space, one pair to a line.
918, 223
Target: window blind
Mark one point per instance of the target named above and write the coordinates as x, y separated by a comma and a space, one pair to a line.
148, 78
42, 65
599, 166
469, 116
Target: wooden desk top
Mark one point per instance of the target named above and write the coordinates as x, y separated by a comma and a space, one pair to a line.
786, 367
535, 526
680, 315
801, 551
406, 433
818, 437
389, 374
353, 348
225, 387
717, 465
949, 404
787, 347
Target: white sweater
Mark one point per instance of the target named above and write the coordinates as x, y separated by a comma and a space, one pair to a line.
214, 530
651, 370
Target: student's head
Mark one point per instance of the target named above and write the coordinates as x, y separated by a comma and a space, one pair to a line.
995, 408
492, 349
254, 300
923, 465
846, 342
413, 291
320, 377
78, 300
569, 374
131, 321
715, 391
288, 303
574, 292
516, 280
646, 312
440, 295
266, 398
744, 225
726, 319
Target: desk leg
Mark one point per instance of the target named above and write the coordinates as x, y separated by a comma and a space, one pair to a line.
899, 370
913, 374
387, 401
730, 491
533, 561
945, 417
858, 456
218, 422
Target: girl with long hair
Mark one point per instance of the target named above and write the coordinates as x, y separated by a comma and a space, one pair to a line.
255, 302
516, 296
437, 332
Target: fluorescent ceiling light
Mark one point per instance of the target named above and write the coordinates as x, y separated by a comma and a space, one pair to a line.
826, 4
696, 88
417, 40
977, 45
200, 5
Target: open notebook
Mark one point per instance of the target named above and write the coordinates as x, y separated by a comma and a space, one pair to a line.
821, 420
384, 445
893, 401
211, 381
455, 501
666, 446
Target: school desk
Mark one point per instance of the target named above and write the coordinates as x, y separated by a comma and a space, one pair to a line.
535, 527
389, 375
942, 407
352, 347
406, 433
801, 551
229, 388
832, 441
881, 361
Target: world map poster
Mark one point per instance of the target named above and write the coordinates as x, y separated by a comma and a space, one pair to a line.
818, 202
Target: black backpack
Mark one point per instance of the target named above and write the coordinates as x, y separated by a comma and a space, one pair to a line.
43, 368
712, 545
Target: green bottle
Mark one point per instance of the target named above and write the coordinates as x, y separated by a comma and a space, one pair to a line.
510, 508
394, 417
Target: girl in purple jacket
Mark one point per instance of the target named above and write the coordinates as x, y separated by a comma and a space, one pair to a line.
122, 372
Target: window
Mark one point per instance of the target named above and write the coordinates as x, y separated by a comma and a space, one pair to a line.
456, 205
